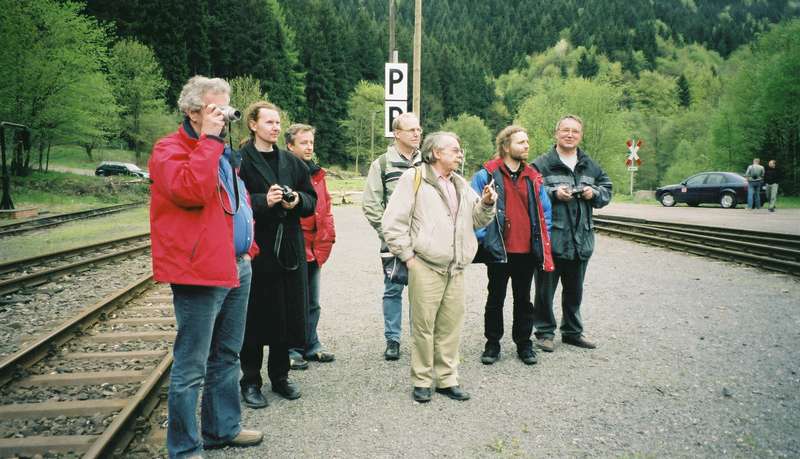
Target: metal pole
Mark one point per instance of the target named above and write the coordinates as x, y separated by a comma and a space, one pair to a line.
632, 174
6, 203
392, 39
417, 57
372, 137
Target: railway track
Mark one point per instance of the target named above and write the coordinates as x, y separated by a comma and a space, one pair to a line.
33, 271
771, 251
102, 368
46, 222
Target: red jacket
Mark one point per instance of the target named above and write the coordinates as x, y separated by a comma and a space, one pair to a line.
318, 229
192, 236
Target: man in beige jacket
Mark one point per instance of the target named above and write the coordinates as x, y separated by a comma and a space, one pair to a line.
431, 228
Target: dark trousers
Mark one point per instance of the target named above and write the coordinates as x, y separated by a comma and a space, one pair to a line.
571, 274
252, 356
520, 269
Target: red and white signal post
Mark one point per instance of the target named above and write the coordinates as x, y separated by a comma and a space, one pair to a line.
633, 161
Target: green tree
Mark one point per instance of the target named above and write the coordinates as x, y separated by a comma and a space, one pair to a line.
138, 87
684, 94
476, 140
50, 56
363, 126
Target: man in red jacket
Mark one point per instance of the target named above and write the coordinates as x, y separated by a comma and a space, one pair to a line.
202, 241
319, 234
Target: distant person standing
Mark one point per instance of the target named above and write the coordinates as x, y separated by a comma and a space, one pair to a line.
319, 234
772, 175
382, 178
576, 185
755, 176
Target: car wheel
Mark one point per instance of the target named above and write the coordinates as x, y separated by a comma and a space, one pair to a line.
693, 203
727, 200
667, 200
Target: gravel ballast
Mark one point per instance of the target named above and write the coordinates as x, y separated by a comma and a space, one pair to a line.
696, 357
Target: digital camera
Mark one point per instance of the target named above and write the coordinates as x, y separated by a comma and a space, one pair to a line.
287, 193
230, 113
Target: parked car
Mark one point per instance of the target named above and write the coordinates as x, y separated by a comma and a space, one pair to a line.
724, 188
115, 168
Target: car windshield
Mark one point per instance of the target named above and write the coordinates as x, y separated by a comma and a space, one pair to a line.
133, 167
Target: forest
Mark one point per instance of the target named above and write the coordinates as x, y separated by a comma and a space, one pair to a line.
707, 85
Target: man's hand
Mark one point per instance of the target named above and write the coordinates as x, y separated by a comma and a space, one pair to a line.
293, 203
563, 193
274, 195
588, 193
213, 120
411, 262
489, 195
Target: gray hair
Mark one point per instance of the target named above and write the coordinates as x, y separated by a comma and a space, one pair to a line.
191, 98
436, 141
295, 129
400, 118
569, 117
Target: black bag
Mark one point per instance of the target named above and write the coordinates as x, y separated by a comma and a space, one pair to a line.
394, 269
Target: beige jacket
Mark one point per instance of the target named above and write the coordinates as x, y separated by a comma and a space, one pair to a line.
433, 237
373, 201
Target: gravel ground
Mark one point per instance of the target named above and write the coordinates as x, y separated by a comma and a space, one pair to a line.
32, 312
697, 358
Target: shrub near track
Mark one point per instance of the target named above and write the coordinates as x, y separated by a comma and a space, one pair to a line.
62, 192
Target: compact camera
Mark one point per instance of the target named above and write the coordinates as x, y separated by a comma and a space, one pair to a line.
576, 191
287, 193
230, 113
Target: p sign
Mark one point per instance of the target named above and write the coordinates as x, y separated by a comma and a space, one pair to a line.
392, 109
396, 81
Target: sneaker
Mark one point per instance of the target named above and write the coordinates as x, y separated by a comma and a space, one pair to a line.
392, 351
243, 440
491, 354
578, 340
528, 356
545, 344
298, 363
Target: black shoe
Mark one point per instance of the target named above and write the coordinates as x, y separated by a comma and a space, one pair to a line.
528, 356
286, 389
392, 351
253, 398
454, 392
422, 394
491, 354
298, 364
578, 340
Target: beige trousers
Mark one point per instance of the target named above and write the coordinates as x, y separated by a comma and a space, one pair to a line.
437, 314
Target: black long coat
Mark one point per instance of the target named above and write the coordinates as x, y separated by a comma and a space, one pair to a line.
278, 293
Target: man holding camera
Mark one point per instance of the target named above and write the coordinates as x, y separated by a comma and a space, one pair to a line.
576, 184
281, 193
516, 244
202, 240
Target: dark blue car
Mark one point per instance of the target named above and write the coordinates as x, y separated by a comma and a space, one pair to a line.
724, 188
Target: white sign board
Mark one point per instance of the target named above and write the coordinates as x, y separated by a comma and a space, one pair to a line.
392, 109
396, 81
633, 168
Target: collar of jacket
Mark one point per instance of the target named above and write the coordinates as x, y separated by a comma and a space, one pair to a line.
429, 175
554, 160
497, 163
394, 156
249, 153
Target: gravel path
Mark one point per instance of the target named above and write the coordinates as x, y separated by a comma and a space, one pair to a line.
697, 358
31, 312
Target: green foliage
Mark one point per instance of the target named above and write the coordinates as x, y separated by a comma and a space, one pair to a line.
476, 140
364, 124
684, 93
137, 84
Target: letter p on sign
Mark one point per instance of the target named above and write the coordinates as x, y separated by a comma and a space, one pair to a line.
396, 78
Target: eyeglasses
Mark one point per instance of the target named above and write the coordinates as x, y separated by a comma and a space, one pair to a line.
455, 150
565, 131
415, 130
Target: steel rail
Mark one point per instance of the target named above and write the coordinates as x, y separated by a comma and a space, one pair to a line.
15, 265
39, 277
46, 222
765, 262
42, 346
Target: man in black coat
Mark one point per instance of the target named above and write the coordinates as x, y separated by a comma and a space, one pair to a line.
576, 184
276, 310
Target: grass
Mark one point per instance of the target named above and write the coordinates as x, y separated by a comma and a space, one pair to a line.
347, 184
76, 157
76, 234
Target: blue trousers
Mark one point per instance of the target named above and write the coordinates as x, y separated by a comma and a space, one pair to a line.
211, 324
392, 310
754, 194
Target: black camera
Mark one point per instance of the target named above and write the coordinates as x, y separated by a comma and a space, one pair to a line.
577, 191
288, 196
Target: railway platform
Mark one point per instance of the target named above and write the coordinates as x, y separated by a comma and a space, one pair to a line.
785, 221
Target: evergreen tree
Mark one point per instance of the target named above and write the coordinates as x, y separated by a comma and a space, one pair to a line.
684, 96
587, 65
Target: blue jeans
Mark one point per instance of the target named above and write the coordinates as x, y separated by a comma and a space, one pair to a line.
754, 193
392, 309
206, 353
313, 312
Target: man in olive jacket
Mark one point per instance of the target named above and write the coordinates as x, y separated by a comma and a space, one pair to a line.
576, 184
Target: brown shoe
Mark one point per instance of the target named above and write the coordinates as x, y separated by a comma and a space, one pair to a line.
243, 440
545, 344
578, 340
